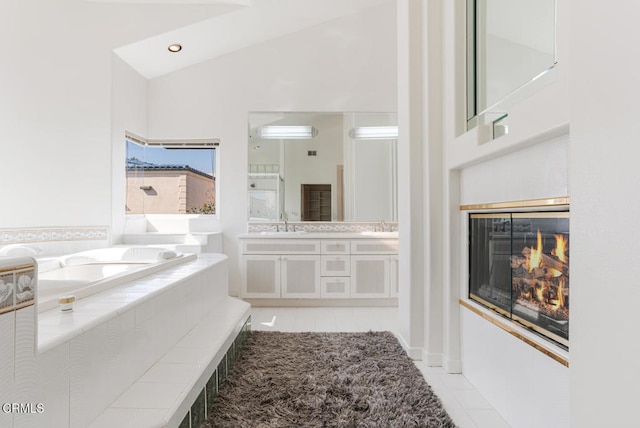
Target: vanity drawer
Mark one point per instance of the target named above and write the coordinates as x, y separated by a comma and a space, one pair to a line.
338, 246
374, 246
280, 246
335, 287
338, 265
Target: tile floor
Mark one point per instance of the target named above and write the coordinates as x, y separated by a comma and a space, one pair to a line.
466, 406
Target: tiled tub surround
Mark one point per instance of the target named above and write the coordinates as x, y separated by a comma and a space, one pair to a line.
90, 272
136, 407
138, 354
18, 286
188, 233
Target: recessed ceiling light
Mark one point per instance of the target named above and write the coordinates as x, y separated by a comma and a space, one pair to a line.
175, 48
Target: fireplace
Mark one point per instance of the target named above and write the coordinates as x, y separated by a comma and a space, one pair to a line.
519, 267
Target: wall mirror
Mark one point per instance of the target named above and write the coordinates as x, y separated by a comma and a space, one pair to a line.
306, 166
510, 44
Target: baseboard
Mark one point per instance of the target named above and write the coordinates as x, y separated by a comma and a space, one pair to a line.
452, 366
415, 353
431, 359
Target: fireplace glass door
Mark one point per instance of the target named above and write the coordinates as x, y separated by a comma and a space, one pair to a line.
519, 267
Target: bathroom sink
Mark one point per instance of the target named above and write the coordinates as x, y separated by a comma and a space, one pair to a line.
271, 233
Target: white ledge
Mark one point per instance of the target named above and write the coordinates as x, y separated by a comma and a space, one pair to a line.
55, 327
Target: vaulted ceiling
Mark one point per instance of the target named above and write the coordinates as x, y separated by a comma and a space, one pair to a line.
227, 26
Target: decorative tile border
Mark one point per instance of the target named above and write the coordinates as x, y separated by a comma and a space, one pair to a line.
17, 287
25, 287
19, 236
332, 227
7, 303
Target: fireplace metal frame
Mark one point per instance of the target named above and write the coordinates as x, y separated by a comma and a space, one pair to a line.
539, 208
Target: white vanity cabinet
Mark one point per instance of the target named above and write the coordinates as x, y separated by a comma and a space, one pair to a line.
394, 275
280, 268
335, 281
300, 276
373, 268
318, 267
261, 276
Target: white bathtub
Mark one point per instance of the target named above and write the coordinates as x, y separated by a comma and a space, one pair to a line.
89, 272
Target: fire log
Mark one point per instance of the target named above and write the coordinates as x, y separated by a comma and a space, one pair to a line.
517, 261
549, 261
527, 282
541, 272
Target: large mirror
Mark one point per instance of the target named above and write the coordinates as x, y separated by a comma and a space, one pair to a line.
510, 44
306, 166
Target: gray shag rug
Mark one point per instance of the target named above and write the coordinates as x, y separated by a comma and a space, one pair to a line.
325, 380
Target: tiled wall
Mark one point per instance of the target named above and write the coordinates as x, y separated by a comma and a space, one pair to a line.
18, 236
17, 335
75, 380
59, 240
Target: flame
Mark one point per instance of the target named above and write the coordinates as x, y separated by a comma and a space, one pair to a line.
559, 302
554, 273
540, 293
535, 258
561, 248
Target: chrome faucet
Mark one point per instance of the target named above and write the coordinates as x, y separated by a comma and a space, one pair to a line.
286, 225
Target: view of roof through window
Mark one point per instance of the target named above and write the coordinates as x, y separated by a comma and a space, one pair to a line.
164, 180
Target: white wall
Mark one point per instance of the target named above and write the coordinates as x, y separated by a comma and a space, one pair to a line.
604, 174
534, 172
529, 389
517, 379
128, 113
55, 108
477, 170
345, 65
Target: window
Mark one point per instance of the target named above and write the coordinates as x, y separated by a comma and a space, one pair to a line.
170, 177
510, 45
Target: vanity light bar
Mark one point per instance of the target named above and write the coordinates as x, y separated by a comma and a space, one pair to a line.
287, 132
374, 133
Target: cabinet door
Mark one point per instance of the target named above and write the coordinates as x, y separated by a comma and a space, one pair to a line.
393, 277
300, 276
261, 276
370, 276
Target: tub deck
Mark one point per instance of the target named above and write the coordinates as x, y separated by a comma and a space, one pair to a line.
158, 337
90, 272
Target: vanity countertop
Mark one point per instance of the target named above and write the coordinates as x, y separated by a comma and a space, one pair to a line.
319, 235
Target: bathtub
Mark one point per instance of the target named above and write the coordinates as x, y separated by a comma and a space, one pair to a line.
89, 272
